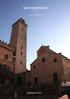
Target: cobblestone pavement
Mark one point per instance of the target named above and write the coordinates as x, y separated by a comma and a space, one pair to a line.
34, 97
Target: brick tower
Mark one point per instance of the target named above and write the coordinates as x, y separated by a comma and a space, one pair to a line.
19, 41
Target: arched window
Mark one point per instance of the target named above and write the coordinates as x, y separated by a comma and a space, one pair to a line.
36, 80
14, 53
19, 80
21, 53
20, 62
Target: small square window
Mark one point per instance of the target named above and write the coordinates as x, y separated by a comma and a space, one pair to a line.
43, 59
55, 60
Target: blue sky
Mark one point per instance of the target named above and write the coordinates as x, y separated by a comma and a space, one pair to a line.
45, 27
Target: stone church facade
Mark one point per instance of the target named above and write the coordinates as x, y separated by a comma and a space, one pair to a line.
48, 68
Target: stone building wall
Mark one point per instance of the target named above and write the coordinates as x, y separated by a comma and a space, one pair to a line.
6, 55
66, 64
47, 67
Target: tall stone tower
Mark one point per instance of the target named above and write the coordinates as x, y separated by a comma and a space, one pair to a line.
19, 41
